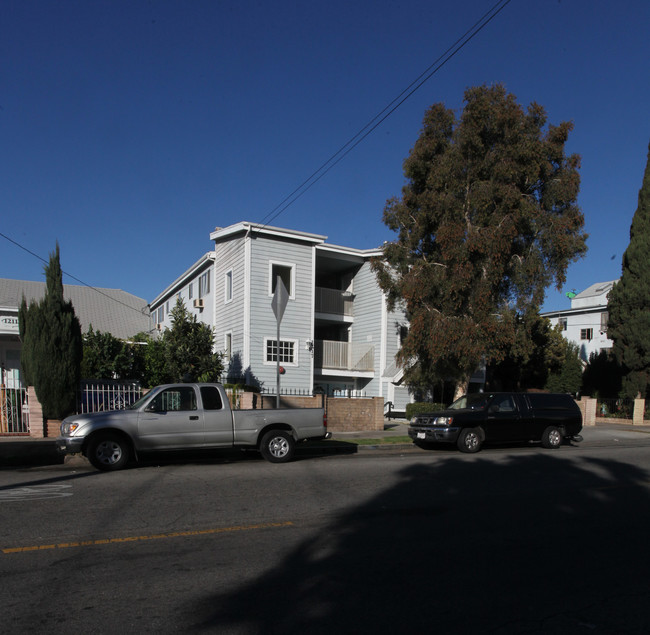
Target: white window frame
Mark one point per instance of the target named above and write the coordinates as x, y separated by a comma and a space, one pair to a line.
296, 351
228, 286
204, 284
288, 265
227, 345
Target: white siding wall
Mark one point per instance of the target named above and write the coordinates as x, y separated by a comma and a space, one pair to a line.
578, 322
297, 322
229, 316
205, 315
367, 325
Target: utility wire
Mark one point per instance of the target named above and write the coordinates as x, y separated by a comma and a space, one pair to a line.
352, 143
378, 119
85, 284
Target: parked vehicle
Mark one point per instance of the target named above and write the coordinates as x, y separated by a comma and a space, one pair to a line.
502, 417
184, 417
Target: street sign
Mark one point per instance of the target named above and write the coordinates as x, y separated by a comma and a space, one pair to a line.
280, 299
279, 304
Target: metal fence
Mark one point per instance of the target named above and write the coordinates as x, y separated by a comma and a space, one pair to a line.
14, 406
101, 396
14, 411
615, 408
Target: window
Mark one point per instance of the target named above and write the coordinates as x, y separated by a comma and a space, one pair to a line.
161, 315
211, 398
173, 400
287, 350
204, 284
227, 345
285, 271
604, 318
563, 324
190, 290
586, 334
228, 286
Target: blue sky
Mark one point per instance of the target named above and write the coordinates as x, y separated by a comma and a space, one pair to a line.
130, 129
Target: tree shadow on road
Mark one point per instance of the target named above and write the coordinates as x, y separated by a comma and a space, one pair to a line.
533, 543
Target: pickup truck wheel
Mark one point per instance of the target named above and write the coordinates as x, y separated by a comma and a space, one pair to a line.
551, 438
469, 440
277, 446
108, 452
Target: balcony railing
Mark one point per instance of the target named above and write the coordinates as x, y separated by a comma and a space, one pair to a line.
334, 301
345, 356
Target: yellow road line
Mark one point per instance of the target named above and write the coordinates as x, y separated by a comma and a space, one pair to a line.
173, 534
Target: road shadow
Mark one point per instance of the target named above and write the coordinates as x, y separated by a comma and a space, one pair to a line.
533, 543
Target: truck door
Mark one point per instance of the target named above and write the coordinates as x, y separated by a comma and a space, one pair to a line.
504, 420
218, 418
172, 420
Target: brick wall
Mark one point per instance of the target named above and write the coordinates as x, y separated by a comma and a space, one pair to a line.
36, 423
349, 415
343, 415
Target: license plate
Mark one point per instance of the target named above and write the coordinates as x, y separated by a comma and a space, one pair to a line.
421, 435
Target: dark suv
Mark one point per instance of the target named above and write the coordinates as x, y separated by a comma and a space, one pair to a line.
501, 417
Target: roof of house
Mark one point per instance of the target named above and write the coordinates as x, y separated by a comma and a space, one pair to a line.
596, 289
108, 310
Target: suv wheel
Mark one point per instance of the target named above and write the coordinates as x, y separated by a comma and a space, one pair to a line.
552, 438
470, 440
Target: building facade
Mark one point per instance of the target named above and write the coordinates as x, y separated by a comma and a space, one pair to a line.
336, 334
108, 310
585, 323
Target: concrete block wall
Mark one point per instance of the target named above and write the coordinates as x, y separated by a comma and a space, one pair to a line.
343, 415
349, 415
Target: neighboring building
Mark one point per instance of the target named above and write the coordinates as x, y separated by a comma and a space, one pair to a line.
108, 310
585, 323
336, 334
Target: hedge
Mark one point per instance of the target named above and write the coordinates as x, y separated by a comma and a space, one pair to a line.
422, 407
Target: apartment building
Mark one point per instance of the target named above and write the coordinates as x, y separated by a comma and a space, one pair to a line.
585, 322
336, 334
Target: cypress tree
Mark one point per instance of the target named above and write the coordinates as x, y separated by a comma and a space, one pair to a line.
629, 301
52, 345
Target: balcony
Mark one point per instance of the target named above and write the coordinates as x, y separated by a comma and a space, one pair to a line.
344, 357
334, 302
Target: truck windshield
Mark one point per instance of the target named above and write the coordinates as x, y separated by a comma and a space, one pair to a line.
475, 401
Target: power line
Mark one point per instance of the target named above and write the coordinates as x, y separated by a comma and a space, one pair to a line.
388, 110
85, 284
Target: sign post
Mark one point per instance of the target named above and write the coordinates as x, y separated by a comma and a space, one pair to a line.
278, 304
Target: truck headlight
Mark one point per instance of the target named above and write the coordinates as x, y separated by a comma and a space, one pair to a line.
444, 421
69, 428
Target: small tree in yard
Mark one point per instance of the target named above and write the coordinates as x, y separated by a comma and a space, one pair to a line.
188, 348
486, 221
51, 345
629, 301
568, 377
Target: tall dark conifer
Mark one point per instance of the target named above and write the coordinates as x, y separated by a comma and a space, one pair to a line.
629, 301
52, 345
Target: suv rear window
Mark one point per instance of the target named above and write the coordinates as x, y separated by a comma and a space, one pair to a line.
548, 401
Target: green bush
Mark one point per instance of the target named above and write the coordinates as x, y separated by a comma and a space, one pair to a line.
422, 407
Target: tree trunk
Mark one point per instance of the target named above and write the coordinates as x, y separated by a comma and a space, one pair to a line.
461, 387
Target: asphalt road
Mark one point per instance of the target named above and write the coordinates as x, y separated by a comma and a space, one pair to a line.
511, 540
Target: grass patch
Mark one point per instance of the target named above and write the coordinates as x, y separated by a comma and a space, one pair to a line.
383, 441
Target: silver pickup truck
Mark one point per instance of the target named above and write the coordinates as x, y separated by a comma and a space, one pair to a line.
184, 417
